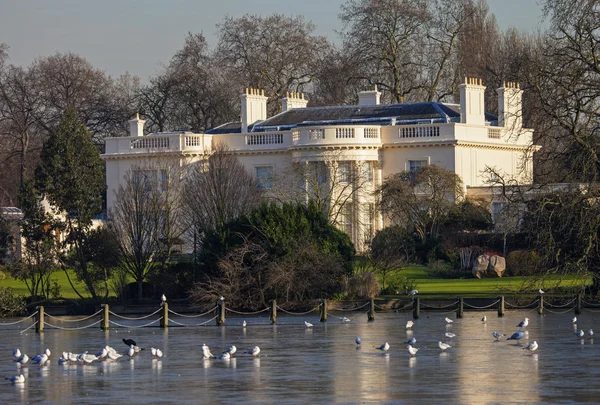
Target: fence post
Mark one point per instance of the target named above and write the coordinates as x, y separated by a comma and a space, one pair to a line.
105, 320
273, 311
578, 304
461, 306
501, 306
164, 321
371, 313
416, 307
541, 305
220, 311
39, 327
323, 310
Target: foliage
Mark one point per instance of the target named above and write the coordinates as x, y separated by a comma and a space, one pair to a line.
10, 303
6, 239
391, 249
468, 215
364, 284
524, 263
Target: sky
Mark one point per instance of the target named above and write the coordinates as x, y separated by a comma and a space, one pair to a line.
140, 36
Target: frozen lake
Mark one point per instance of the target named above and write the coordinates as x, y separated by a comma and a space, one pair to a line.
318, 365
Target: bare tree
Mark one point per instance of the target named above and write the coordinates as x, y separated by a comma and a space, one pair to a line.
218, 189
421, 199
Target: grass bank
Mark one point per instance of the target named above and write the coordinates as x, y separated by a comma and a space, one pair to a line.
66, 291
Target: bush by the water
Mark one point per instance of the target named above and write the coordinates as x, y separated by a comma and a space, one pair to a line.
523, 263
11, 304
363, 284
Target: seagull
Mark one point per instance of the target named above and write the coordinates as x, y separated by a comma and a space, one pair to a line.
224, 356
63, 360
87, 358
448, 320
244, 324
40, 359
411, 341
23, 358
131, 351
384, 347
412, 350
101, 354
72, 357
16, 379
413, 292
16, 353
579, 333
358, 341
531, 346
443, 346
574, 320
206, 352
497, 335
163, 299
344, 319
113, 355
308, 324
409, 324
518, 335
484, 319
523, 323
542, 291
590, 332
221, 298
449, 335
231, 350
254, 351
156, 353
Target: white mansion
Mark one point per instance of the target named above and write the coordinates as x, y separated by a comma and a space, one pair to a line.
378, 139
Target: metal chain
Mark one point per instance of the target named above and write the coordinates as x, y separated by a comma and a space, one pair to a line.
197, 324
558, 312
589, 310
590, 303
521, 306
442, 313
485, 307
135, 326
561, 306
29, 327
17, 322
247, 313
297, 313
352, 309
73, 320
193, 316
81, 327
393, 309
442, 307
135, 319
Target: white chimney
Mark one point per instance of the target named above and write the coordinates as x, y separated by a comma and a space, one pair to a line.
254, 107
369, 97
510, 106
293, 100
136, 126
472, 106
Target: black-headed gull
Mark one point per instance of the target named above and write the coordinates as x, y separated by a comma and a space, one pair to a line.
591, 332
384, 347
163, 299
412, 350
206, 352
448, 320
131, 351
16, 379
358, 341
85, 358
409, 324
449, 335
574, 320
23, 358
531, 346
308, 324
244, 324
40, 359
484, 319
231, 350
518, 335
497, 335
443, 346
16, 353
344, 319
254, 351
523, 323
224, 356
579, 333
542, 291
411, 341
413, 292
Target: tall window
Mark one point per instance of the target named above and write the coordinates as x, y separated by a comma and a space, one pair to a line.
346, 220
344, 171
368, 214
264, 177
414, 165
146, 179
497, 208
368, 171
319, 170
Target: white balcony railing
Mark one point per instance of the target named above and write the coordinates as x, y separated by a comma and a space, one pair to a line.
419, 132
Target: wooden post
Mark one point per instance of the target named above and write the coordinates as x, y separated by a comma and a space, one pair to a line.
323, 311
39, 327
416, 307
541, 305
105, 319
220, 312
578, 304
501, 306
461, 306
371, 313
164, 321
273, 311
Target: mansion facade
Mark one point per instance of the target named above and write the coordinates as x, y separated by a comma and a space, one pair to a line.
339, 141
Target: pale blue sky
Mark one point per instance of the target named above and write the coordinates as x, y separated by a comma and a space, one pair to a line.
138, 35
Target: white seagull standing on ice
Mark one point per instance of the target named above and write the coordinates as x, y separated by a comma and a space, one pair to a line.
16, 379
384, 347
244, 324
85, 358
574, 320
497, 335
156, 353
531, 346
591, 332
344, 319
206, 352
131, 351
16, 353
412, 350
40, 359
224, 356
231, 350
449, 335
448, 320
484, 319
308, 324
358, 341
254, 351
23, 358
523, 323
579, 333
409, 324
443, 346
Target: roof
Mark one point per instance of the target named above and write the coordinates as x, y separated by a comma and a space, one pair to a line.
11, 212
381, 114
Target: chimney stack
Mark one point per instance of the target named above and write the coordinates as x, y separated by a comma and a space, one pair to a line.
293, 100
136, 126
472, 106
254, 107
510, 106
369, 97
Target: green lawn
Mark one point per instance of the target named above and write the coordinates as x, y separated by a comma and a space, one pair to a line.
66, 291
433, 287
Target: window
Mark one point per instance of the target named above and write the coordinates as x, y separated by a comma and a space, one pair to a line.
368, 171
319, 170
146, 179
344, 171
368, 214
497, 208
164, 180
346, 219
414, 165
264, 177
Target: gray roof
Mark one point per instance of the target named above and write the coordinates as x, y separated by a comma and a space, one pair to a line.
381, 114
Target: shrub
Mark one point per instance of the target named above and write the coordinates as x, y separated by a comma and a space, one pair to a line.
441, 269
364, 285
524, 263
11, 304
399, 284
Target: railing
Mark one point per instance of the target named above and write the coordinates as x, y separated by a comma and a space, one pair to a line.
193, 140
264, 139
419, 132
150, 142
344, 133
371, 133
316, 134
